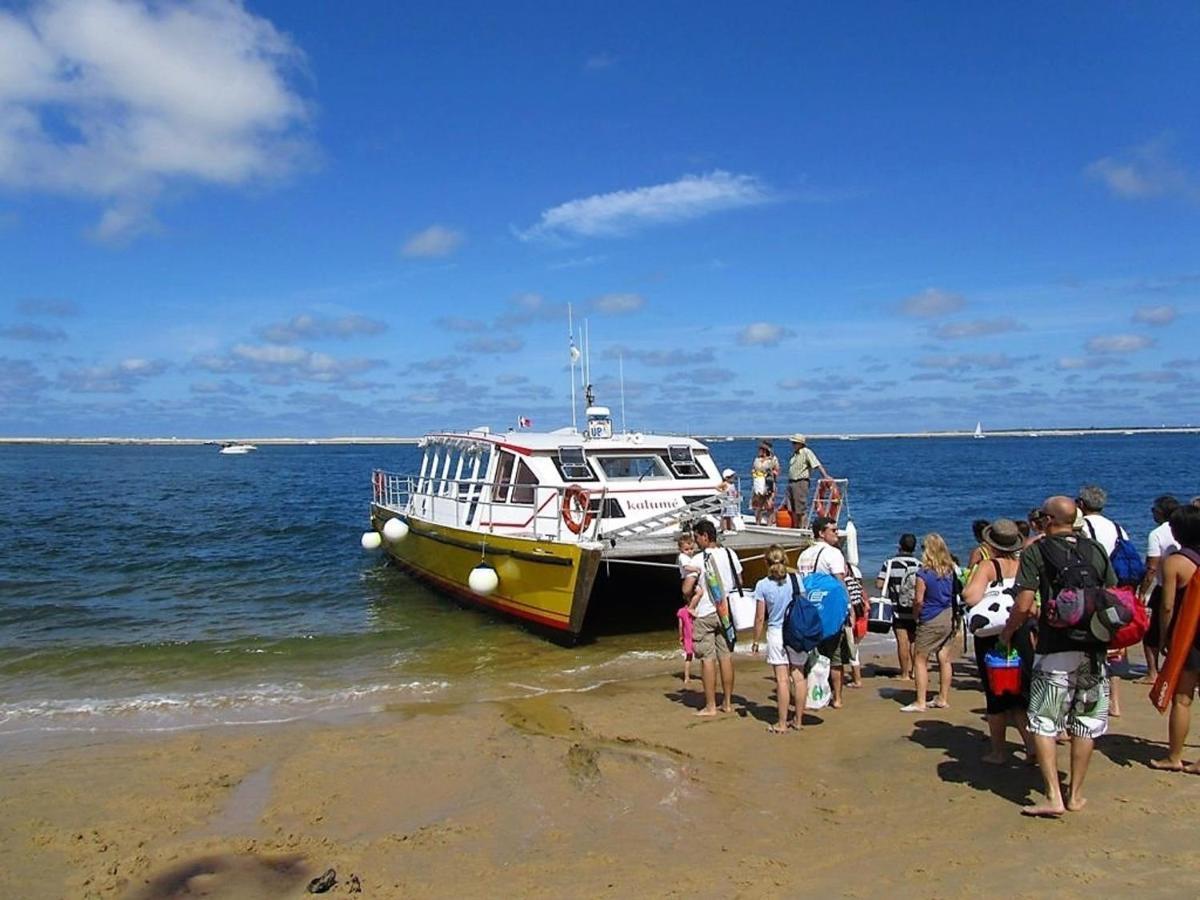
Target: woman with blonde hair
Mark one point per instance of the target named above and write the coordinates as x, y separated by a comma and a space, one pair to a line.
933, 607
773, 594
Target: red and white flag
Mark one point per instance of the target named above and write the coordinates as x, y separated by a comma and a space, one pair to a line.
524, 422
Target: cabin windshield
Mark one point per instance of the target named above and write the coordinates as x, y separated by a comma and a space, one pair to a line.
633, 468
572, 465
683, 463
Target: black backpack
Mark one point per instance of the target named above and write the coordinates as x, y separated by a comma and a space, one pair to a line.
1072, 590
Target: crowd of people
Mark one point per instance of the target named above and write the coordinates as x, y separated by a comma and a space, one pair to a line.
1037, 564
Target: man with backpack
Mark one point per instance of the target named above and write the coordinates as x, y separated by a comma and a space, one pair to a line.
712, 647
897, 580
825, 557
1069, 687
1127, 562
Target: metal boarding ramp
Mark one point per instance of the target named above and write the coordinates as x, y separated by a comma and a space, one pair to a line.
689, 512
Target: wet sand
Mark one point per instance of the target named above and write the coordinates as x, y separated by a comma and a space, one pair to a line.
618, 791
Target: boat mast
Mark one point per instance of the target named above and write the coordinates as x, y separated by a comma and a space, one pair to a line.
574, 354
621, 371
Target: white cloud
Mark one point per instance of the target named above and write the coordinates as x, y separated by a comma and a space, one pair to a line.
281, 364
962, 361
599, 61
932, 302
1088, 362
118, 99
434, 241
616, 304
621, 212
118, 378
976, 328
310, 327
493, 345
763, 334
47, 306
28, 331
20, 381
1118, 343
1155, 315
1146, 172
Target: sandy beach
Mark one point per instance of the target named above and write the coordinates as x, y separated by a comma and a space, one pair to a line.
610, 792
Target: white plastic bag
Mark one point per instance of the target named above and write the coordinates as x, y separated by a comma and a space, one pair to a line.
743, 606
819, 692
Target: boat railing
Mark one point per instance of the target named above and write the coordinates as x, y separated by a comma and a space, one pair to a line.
467, 503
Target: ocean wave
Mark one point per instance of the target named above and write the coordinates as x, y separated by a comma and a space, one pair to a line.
206, 707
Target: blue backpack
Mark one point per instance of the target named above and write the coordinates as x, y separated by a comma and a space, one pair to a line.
817, 611
1127, 563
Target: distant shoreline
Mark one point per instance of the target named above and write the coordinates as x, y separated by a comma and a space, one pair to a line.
383, 440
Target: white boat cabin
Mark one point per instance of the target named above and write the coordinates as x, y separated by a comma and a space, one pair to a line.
561, 485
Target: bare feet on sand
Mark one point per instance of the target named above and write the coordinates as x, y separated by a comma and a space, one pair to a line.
706, 713
1167, 765
727, 708
1076, 804
913, 707
994, 759
777, 729
1043, 810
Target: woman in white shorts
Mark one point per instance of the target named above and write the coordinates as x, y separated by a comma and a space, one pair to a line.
773, 594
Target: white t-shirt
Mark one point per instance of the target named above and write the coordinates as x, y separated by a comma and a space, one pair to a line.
1161, 544
720, 556
1103, 531
821, 557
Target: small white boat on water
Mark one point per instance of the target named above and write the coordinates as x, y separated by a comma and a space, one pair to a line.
236, 448
978, 430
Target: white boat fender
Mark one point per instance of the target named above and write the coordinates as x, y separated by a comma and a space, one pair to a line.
395, 530
371, 540
483, 579
851, 543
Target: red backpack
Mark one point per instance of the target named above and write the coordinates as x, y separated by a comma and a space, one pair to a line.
1125, 619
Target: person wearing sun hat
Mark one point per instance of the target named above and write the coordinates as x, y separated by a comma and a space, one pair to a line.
800, 468
1004, 542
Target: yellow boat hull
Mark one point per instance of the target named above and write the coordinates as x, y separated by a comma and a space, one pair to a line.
543, 582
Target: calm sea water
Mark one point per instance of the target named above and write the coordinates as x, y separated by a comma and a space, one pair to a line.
159, 587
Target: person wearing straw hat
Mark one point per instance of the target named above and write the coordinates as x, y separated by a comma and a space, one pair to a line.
1003, 541
800, 469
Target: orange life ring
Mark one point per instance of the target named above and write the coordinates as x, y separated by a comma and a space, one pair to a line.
828, 502
576, 509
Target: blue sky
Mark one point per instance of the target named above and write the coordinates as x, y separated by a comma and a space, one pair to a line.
314, 219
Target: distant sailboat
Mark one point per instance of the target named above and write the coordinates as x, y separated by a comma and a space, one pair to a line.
978, 429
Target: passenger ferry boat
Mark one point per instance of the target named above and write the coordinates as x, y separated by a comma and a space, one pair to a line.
560, 529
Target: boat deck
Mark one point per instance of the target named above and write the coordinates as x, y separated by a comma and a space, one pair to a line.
750, 540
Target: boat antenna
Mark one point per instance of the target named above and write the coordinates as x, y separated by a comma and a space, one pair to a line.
587, 354
574, 354
621, 371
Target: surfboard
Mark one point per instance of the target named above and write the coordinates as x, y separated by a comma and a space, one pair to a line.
1187, 618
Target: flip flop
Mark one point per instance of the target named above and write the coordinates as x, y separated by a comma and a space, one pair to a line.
323, 883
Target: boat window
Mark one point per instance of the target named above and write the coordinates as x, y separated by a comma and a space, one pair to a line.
635, 468
572, 465
524, 484
503, 479
683, 464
